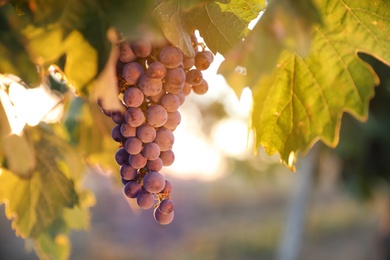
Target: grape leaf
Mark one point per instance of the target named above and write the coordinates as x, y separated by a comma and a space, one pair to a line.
37, 202
303, 99
48, 246
223, 24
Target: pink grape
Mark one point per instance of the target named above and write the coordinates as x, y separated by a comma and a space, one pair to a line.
187, 88
171, 57
127, 172
150, 86
161, 218
170, 102
202, 88
146, 133
133, 97
203, 60
145, 200
132, 189
154, 182
165, 139
166, 206
156, 115
154, 165
194, 77
132, 72
156, 70
137, 161
127, 130
134, 116
157, 98
167, 157
174, 119
133, 145
181, 97
188, 63
167, 188
142, 48
126, 53
151, 151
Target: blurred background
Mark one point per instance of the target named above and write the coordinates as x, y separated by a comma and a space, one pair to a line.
230, 204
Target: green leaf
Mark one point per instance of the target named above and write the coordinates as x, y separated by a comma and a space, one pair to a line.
303, 99
284, 25
223, 24
173, 25
35, 203
17, 148
49, 247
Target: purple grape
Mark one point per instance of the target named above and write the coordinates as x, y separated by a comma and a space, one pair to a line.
133, 97
150, 86
132, 189
157, 98
137, 161
171, 57
121, 156
127, 172
132, 72
167, 157
118, 117
166, 206
154, 165
170, 102
146, 133
154, 182
165, 139
203, 60
117, 135
161, 218
128, 130
133, 145
151, 151
142, 48
194, 77
174, 119
156, 70
134, 116
156, 115
145, 200
126, 53
167, 188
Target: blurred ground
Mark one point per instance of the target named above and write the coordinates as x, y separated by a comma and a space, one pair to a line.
232, 218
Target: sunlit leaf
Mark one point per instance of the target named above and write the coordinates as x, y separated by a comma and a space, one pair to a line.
303, 99
19, 155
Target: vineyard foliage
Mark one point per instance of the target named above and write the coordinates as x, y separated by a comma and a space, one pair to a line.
300, 61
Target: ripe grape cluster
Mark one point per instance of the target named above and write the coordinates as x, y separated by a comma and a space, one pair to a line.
153, 81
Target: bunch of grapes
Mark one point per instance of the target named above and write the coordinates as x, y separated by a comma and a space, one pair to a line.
154, 81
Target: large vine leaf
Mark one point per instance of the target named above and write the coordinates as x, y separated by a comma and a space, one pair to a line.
223, 24
303, 99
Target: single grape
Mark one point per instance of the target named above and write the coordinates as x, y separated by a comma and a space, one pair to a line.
167, 157
121, 156
146, 133
156, 115
127, 130
127, 172
171, 57
142, 48
150, 86
154, 182
151, 151
154, 165
145, 200
168, 187
137, 161
174, 119
161, 218
133, 97
156, 70
134, 116
202, 88
166, 206
187, 88
164, 138
188, 63
181, 97
132, 72
157, 98
194, 77
118, 117
203, 60
170, 102
175, 77
126, 53
116, 134
132, 189
133, 145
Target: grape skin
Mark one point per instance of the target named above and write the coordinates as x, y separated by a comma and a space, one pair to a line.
121, 156
132, 72
126, 53
161, 218
156, 115
174, 119
132, 189
142, 48
150, 86
171, 57
133, 97
203, 60
128, 130
194, 77
145, 200
151, 151
134, 116
166, 206
168, 187
165, 139
133, 145
154, 182
202, 88
137, 161
170, 102
154, 165
127, 172
167, 157
117, 135
118, 117
156, 70
146, 133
